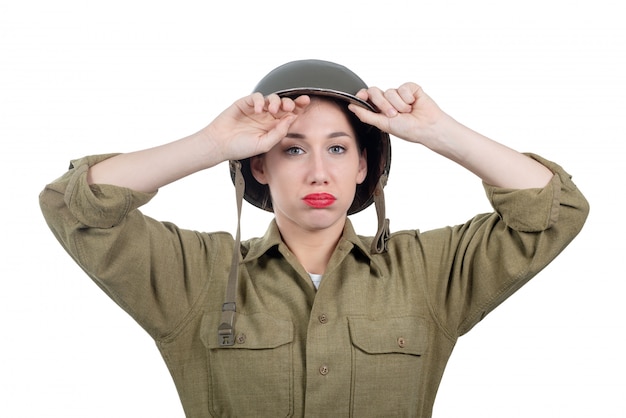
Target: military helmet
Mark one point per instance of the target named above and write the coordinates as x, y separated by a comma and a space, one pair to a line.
327, 79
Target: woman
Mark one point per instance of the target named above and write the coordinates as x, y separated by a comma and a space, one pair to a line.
312, 319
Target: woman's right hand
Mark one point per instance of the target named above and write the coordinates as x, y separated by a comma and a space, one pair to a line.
250, 126
253, 125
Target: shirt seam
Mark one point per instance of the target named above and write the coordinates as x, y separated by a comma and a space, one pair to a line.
487, 307
193, 310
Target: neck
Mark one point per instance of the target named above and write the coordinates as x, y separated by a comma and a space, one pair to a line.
313, 249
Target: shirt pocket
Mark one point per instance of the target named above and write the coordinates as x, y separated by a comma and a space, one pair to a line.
387, 361
253, 377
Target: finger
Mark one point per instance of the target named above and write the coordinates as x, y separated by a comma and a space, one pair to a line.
287, 105
256, 101
362, 94
295, 106
282, 127
278, 132
394, 98
369, 117
409, 92
301, 103
273, 103
377, 97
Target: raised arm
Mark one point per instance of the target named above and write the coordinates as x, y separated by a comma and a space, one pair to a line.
250, 126
409, 113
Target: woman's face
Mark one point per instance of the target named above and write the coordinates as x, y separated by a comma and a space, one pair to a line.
313, 172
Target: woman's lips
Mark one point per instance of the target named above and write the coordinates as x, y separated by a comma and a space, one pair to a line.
319, 200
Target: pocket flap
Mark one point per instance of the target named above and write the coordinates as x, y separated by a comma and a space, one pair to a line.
406, 335
254, 331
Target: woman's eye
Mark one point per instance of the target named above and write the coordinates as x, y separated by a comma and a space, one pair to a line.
336, 149
294, 151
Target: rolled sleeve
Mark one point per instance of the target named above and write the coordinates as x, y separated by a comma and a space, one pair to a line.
494, 254
99, 205
153, 270
531, 210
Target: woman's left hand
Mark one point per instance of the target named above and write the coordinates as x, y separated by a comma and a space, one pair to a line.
406, 112
409, 113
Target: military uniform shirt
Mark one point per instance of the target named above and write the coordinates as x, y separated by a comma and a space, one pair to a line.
372, 341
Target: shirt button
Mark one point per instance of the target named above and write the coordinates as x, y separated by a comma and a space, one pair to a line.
241, 338
401, 342
323, 318
324, 370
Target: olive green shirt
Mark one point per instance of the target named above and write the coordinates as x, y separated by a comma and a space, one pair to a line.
373, 341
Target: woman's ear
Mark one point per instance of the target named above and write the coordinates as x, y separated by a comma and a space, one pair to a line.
362, 173
257, 167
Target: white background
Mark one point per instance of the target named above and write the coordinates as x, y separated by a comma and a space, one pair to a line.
84, 77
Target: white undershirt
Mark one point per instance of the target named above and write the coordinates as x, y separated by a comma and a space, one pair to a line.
317, 278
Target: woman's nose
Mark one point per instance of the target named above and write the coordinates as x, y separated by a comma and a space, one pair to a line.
318, 169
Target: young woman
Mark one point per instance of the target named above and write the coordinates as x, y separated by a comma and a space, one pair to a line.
312, 319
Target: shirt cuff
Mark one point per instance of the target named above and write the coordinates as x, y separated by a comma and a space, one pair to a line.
531, 210
99, 205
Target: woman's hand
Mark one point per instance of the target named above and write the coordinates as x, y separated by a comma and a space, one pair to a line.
406, 112
253, 125
250, 126
409, 113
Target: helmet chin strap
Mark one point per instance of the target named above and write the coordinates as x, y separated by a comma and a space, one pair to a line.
226, 329
379, 243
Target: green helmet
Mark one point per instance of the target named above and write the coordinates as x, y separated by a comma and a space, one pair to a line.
323, 78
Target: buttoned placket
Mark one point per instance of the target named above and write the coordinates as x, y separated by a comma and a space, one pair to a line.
327, 350
319, 361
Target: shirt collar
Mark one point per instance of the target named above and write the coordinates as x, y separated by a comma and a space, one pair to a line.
350, 236
256, 247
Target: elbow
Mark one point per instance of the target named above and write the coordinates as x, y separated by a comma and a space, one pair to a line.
574, 213
582, 210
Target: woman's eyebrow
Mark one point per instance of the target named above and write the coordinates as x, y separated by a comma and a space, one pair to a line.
294, 135
338, 134
301, 136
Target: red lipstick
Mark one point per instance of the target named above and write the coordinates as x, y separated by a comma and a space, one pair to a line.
319, 200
